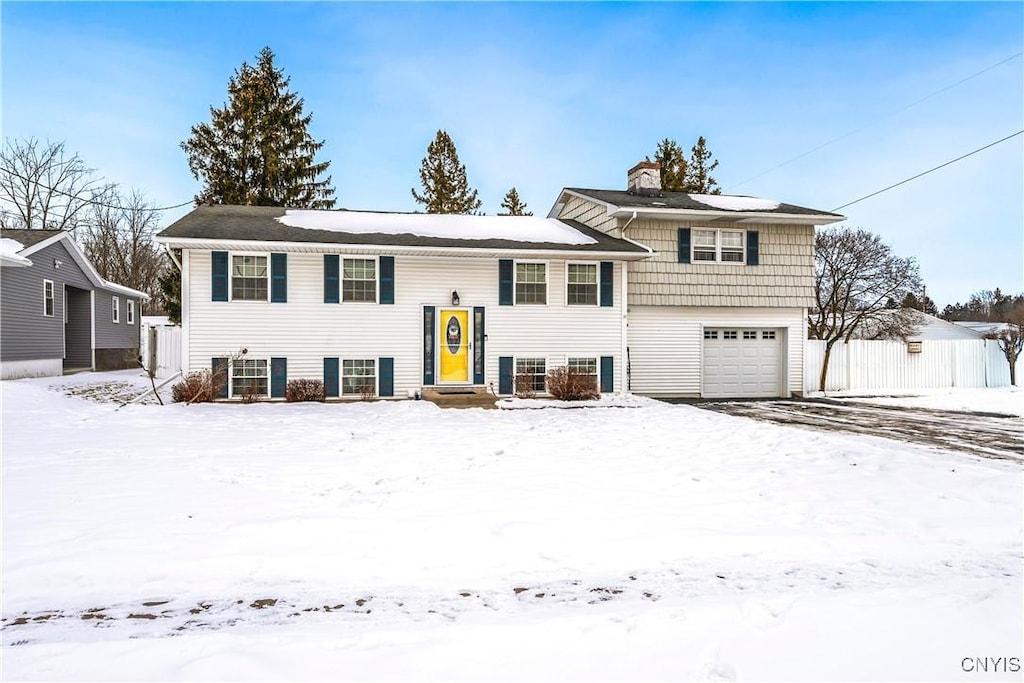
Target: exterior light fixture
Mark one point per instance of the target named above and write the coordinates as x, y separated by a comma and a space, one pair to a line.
57, 263
455, 298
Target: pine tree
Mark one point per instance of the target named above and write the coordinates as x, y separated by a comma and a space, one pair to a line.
513, 205
699, 168
673, 165
257, 149
445, 187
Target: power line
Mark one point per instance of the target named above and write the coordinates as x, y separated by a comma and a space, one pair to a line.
94, 202
866, 126
952, 161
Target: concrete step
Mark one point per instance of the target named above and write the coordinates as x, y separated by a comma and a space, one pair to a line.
469, 397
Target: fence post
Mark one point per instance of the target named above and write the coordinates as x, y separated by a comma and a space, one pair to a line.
151, 361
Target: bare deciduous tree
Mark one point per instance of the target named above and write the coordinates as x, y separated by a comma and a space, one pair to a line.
856, 274
43, 186
1011, 339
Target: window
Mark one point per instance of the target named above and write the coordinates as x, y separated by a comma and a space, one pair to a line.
711, 334
131, 311
115, 309
582, 287
48, 298
750, 334
531, 283
729, 334
248, 378
359, 281
532, 371
586, 366
249, 278
718, 245
358, 377
768, 334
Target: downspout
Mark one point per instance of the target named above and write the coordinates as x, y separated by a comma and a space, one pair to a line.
631, 219
626, 370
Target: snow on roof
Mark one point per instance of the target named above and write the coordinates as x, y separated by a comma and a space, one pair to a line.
9, 249
451, 226
736, 203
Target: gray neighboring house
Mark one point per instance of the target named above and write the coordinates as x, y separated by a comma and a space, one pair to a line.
57, 315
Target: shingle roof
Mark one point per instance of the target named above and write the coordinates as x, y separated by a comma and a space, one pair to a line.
258, 223
28, 237
682, 200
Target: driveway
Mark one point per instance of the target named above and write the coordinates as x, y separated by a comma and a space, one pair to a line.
984, 434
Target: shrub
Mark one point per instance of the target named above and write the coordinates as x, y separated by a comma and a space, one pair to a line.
201, 386
524, 385
570, 384
304, 390
367, 392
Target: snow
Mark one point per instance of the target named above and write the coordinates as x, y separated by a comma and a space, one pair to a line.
735, 203
9, 249
399, 541
514, 228
1001, 400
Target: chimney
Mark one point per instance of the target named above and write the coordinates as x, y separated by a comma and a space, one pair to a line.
644, 179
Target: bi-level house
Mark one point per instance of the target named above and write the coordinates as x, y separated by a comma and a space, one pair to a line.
656, 292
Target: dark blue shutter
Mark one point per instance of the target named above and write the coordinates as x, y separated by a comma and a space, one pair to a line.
684, 245
607, 280
279, 278
220, 372
331, 377
505, 283
478, 345
428, 346
386, 376
219, 269
752, 247
278, 377
387, 279
331, 287
607, 374
504, 374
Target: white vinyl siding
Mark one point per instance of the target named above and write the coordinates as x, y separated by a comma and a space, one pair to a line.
666, 342
305, 331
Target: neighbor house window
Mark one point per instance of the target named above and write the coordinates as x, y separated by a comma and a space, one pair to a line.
582, 287
358, 377
585, 366
531, 283
359, 281
48, 298
131, 311
248, 378
249, 278
531, 371
718, 245
115, 309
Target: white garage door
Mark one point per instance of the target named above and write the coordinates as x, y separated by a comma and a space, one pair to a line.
742, 362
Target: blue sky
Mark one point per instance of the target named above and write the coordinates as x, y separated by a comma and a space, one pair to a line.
543, 96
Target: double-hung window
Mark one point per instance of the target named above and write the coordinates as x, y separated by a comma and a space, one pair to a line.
725, 246
532, 372
582, 284
131, 311
115, 309
248, 377
359, 280
531, 283
249, 277
48, 298
358, 377
585, 366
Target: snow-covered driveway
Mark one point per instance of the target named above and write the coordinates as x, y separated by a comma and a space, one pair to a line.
978, 433
399, 541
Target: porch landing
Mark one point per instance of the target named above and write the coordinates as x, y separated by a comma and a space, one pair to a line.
460, 397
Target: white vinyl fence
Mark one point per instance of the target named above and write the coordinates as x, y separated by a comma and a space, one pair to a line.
872, 364
161, 347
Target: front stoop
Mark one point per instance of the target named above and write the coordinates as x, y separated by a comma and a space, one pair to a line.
462, 397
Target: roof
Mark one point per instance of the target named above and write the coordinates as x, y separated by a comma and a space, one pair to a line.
28, 238
720, 205
982, 327
414, 230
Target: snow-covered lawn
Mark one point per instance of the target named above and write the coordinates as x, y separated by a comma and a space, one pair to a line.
1003, 400
397, 541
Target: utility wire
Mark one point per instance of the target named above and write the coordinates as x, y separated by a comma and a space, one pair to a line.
94, 202
866, 126
952, 161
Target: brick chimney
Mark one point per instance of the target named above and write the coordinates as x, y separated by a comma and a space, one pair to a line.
645, 179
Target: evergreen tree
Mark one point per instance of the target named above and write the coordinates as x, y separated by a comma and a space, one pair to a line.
513, 205
699, 168
170, 291
445, 187
257, 149
673, 165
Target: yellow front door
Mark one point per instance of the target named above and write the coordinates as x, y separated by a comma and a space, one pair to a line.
453, 341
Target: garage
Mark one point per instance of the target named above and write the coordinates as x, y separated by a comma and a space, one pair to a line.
741, 362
